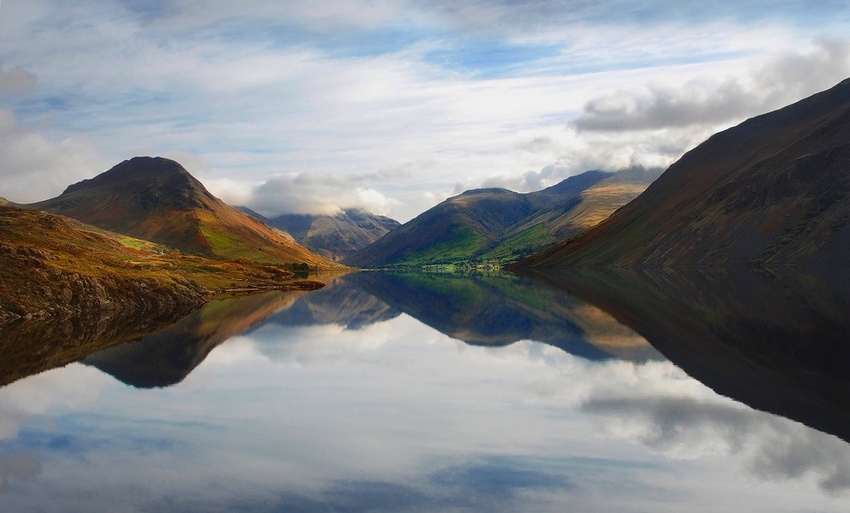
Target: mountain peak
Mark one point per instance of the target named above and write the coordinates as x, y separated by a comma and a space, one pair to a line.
151, 180
156, 199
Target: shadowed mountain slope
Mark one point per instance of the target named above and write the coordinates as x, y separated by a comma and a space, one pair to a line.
334, 237
156, 199
499, 225
774, 191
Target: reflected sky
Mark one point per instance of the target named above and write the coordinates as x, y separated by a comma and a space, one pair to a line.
393, 415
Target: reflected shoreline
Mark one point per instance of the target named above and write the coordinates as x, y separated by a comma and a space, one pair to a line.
777, 342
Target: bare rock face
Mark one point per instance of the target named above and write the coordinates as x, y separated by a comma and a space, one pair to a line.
333, 236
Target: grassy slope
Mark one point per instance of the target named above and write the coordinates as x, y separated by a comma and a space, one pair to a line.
496, 226
452, 231
588, 209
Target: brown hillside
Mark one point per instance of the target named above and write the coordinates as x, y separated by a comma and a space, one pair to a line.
52, 266
156, 199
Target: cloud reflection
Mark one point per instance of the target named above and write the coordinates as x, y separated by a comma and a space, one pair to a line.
395, 416
770, 447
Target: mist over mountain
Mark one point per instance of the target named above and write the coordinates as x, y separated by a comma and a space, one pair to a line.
332, 236
498, 225
156, 199
772, 191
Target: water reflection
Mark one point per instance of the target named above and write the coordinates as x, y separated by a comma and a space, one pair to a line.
168, 356
336, 401
30, 347
497, 309
779, 341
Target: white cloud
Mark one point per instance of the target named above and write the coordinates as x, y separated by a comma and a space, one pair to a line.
316, 193
35, 168
710, 102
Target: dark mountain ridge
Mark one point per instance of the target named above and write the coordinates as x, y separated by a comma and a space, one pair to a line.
772, 191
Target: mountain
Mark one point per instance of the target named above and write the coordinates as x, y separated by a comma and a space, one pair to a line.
566, 219
499, 225
772, 191
156, 199
334, 237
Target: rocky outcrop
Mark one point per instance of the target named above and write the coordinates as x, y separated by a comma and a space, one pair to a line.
52, 292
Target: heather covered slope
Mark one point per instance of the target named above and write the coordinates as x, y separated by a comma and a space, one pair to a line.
498, 225
56, 267
333, 236
772, 191
156, 199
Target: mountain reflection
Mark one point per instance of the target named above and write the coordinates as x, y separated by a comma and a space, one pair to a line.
168, 356
334, 401
497, 309
479, 309
778, 341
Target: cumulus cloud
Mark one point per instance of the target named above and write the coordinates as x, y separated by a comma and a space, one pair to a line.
607, 151
35, 168
656, 106
771, 448
317, 193
707, 102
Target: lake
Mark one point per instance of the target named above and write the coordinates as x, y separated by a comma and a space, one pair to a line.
429, 392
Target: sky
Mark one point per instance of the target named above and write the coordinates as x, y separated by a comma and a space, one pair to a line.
391, 105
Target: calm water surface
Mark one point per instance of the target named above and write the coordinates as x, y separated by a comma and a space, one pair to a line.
341, 400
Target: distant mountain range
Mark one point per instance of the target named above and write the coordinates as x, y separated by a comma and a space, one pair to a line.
333, 237
498, 225
772, 191
156, 199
